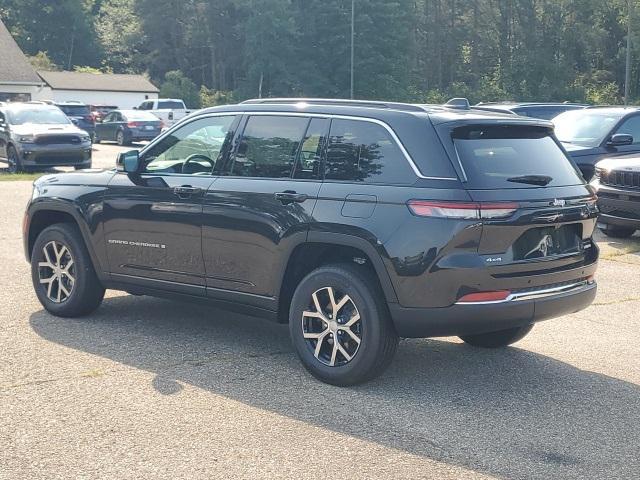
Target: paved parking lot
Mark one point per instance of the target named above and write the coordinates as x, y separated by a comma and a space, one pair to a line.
148, 388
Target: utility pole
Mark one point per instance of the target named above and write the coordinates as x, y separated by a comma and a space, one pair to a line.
353, 24
627, 72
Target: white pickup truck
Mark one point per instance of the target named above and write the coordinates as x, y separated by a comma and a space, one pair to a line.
169, 110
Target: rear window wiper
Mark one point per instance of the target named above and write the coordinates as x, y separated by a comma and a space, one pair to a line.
541, 180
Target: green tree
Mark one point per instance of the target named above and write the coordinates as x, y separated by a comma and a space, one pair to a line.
177, 85
120, 33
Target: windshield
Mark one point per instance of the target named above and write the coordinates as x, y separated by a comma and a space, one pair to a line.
512, 157
41, 116
585, 128
75, 110
170, 105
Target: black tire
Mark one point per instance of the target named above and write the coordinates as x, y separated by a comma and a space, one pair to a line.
498, 339
86, 292
618, 232
378, 339
15, 163
121, 139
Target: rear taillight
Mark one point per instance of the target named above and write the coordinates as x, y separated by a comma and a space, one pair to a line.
462, 210
133, 124
479, 297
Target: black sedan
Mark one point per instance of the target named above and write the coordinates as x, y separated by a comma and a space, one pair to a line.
126, 126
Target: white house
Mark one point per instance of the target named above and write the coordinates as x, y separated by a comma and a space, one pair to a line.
123, 91
20, 82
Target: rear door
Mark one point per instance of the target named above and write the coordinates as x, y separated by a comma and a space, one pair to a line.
542, 212
153, 218
262, 206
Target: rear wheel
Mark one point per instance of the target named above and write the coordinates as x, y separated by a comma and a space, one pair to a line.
498, 339
62, 273
618, 232
340, 326
15, 164
121, 139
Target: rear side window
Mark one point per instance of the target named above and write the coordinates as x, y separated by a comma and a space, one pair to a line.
269, 146
504, 156
361, 151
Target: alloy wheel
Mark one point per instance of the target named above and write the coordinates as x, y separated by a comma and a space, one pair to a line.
332, 328
57, 272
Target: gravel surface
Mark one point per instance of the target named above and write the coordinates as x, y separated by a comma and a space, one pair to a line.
148, 388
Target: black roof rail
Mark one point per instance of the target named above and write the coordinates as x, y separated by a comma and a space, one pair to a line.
335, 101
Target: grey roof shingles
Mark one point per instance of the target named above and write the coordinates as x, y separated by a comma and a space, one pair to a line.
105, 82
14, 65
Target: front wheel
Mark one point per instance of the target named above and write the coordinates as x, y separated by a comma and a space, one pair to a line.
15, 164
340, 326
62, 273
618, 232
498, 339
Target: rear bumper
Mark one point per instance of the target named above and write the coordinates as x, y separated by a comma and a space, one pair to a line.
474, 318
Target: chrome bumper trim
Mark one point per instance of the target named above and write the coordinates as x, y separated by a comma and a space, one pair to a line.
536, 294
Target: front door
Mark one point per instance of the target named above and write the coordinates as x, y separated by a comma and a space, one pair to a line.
263, 205
153, 218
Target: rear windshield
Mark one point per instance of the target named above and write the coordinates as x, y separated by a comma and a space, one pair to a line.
512, 157
170, 105
140, 115
75, 110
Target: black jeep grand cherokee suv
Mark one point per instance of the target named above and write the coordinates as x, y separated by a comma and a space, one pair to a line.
355, 222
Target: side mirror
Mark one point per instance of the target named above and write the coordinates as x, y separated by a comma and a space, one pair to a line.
620, 139
128, 161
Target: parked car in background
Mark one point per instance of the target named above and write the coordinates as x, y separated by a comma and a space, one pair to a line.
80, 114
545, 111
99, 111
353, 222
126, 126
36, 135
617, 181
169, 110
596, 133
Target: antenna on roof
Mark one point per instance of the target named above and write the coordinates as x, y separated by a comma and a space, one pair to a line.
459, 103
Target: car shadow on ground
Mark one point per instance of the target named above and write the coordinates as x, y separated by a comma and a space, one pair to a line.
509, 413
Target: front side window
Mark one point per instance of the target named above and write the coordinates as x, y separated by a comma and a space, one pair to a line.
194, 149
631, 126
366, 152
269, 146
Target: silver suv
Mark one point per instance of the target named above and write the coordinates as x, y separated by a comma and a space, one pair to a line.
34, 135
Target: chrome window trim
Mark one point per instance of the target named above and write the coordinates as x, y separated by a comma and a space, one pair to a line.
391, 132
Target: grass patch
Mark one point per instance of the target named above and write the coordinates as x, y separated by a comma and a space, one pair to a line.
17, 177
